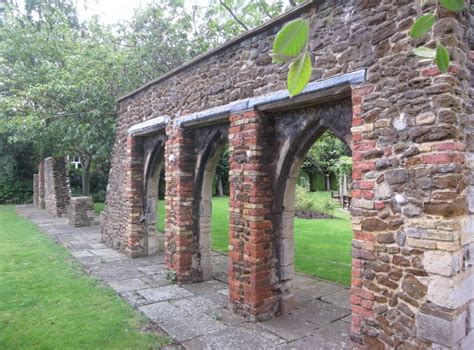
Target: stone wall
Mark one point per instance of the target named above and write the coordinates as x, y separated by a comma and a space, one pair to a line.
81, 212
57, 189
41, 184
35, 190
412, 150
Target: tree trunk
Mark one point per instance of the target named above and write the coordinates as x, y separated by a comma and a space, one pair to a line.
312, 183
328, 182
345, 184
220, 187
86, 175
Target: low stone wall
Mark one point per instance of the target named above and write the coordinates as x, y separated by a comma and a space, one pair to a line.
57, 188
81, 212
35, 190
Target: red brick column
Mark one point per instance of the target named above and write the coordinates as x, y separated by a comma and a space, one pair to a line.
135, 233
251, 245
179, 163
41, 201
362, 299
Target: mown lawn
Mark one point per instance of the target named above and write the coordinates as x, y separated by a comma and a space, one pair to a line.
322, 247
48, 302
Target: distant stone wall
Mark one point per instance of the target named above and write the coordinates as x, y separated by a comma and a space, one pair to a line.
81, 212
35, 190
57, 188
41, 177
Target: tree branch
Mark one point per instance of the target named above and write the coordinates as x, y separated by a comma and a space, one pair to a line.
234, 16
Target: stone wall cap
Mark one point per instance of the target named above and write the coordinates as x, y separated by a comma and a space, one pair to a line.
267, 25
149, 126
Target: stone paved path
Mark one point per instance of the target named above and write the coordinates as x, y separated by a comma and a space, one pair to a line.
196, 315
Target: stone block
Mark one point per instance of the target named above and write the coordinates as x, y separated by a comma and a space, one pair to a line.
451, 292
439, 330
442, 262
81, 212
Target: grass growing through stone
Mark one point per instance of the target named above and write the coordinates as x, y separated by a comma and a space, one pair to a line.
322, 246
48, 302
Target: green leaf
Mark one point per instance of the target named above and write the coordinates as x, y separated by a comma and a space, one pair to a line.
292, 38
424, 52
299, 74
280, 58
442, 58
422, 25
452, 5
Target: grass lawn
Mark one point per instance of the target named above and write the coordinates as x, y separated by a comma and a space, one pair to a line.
322, 247
98, 207
48, 302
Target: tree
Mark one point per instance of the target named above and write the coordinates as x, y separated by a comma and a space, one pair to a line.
322, 157
59, 84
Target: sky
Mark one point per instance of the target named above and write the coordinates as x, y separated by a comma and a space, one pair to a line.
112, 11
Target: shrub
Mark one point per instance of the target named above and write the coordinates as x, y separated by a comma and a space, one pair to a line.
306, 202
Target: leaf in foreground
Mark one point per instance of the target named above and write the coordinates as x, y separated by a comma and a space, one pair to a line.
291, 39
422, 25
453, 5
299, 74
442, 58
424, 52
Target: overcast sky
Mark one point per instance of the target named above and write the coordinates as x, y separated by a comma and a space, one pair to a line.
112, 11
115, 10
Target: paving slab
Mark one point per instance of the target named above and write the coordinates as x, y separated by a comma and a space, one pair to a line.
81, 254
320, 313
199, 304
333, 336
340, 298
314, 291
179, 324
128, 285
153, 295
246, 336
289, 327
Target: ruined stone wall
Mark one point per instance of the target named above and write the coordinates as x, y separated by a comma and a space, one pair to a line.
81, 211
57, 188
412, 152
41, 202
35, 190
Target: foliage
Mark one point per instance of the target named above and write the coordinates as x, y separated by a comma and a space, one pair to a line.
343, 166
17, 163
323, 155
423, 25
47, 301
305, 201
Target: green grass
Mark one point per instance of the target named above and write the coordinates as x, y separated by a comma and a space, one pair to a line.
48, 302
322, 247
98, 207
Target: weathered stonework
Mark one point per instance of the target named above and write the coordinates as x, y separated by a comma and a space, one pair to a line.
410, 130
57, 190
35, 190
81, 212
41, 184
